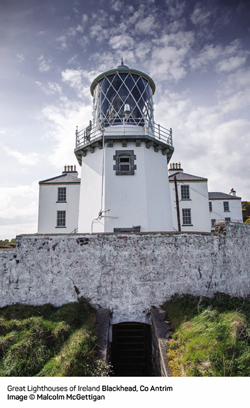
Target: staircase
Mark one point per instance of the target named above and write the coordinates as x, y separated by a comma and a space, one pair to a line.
131, 350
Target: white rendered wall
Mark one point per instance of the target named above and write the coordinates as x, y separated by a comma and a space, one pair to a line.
140, 199
198, 204
48, 207
234, 213
91, 192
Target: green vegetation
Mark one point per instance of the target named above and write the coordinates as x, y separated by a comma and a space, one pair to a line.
246, 211
7, 243
49, 341
210, 336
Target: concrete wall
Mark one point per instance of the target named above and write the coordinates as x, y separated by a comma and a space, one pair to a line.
126, 273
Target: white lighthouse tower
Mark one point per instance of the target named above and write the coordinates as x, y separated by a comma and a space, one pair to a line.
124, 157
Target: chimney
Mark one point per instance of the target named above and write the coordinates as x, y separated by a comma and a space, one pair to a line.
175, 168
70, 170
233, 192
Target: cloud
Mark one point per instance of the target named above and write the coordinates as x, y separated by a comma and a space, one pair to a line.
146, 25
43, 64
208, 54
63, 42
121, 42
226, 59
83, 41
168, 60
20, 57
29, 159
64, 118
231, 64
79, 80
175, 8
116, 5
50, 89
18, 210
202, 14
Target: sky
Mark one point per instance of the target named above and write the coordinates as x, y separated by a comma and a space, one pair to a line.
197, 52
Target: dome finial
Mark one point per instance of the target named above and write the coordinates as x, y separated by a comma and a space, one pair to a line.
122, 61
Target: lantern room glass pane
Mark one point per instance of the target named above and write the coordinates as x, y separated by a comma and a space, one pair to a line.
113, 92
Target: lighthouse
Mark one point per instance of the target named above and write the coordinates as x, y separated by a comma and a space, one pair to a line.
124, 158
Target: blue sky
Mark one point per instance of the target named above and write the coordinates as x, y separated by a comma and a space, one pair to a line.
197, 52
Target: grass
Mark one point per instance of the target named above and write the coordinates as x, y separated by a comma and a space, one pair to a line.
210, 336
49, 341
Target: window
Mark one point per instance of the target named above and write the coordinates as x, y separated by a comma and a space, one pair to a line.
61, 194
186, 216
227, 219
210, 206
226, 206
133, 229
61, 219
185, 193
212, 223
124, 162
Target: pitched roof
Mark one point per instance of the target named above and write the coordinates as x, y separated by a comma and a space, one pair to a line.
180, 176
222, 196
63, 179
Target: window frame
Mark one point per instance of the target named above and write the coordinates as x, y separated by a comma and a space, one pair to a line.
61, 219
122, 154
186, 217
132, 229
185, 192
61, 194
213, 221
210, 206
226, 206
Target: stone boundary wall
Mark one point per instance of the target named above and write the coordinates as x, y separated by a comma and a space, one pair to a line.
125, 273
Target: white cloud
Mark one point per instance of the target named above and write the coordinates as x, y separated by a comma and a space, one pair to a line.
226, 59
121, 42
168, 59
43, 64
83, 41
50, 89
142, 49
28, 159
63, 120
20, 57
145, 25
62, 40
18, 210
116, 5
202, 14
208, 54
74, 78
175, 8
231, 64
79, 80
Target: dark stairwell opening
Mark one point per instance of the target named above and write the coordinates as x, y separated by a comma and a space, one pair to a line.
131, 350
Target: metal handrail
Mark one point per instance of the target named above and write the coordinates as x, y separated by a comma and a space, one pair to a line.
158, 132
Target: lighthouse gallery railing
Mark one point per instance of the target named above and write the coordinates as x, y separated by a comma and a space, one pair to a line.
152, 129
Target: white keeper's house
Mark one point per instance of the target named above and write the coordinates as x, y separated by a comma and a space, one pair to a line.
124, 184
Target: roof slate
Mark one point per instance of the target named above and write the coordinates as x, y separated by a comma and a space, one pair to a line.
64, 178
180, 176
222, 196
